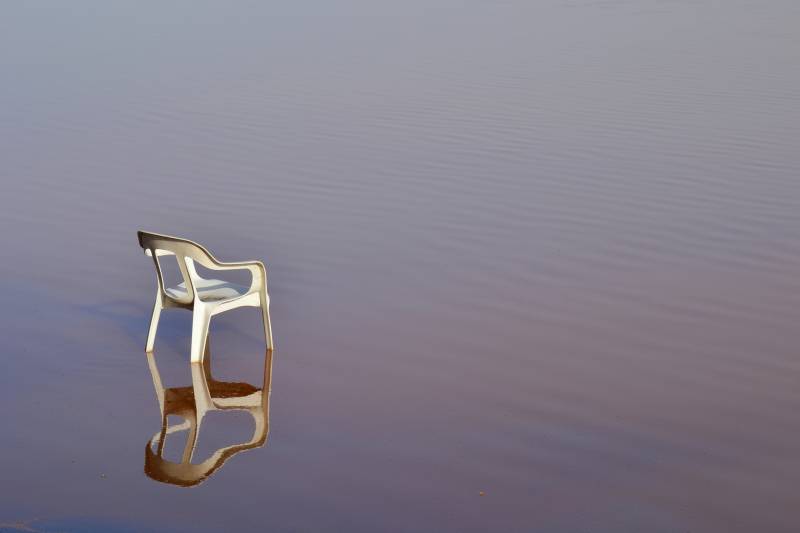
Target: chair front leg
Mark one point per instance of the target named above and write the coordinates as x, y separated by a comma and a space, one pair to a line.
151, 334
200, 323
265, 319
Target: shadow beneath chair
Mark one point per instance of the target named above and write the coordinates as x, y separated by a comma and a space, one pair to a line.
191, 404
125, 315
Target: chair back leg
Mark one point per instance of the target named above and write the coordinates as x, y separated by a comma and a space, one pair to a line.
151, 334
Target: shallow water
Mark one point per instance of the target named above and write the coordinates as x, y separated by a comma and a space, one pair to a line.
543, 251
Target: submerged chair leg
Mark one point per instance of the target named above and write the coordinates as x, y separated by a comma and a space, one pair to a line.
266, 321
151, 334
200, 323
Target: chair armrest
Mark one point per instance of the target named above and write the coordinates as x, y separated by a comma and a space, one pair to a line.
256, 269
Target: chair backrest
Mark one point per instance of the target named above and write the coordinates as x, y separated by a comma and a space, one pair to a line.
186, 252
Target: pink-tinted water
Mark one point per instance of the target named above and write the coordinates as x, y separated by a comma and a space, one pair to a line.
535, 265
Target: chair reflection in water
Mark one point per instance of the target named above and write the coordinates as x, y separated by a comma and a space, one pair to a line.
204, 297
191, 404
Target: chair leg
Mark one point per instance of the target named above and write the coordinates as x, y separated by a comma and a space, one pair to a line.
266, 321
200, 323
191, 441
151, 334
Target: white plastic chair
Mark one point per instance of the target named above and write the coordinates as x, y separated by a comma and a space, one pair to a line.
204, 297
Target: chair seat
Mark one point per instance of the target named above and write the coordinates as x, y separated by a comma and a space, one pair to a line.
210, 290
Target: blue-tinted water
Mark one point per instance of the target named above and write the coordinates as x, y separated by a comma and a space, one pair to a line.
545, 251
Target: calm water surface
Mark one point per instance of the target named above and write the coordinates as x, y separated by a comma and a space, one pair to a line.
547, 251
